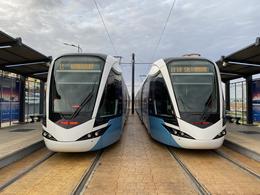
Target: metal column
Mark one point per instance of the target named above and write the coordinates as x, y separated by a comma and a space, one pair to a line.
22, 100
227, 93
41, 111
249, 97
235, 99
133, 82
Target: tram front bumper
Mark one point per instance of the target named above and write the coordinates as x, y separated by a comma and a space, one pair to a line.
73, 146
199, 144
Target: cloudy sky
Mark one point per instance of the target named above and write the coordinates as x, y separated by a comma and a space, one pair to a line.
209, 27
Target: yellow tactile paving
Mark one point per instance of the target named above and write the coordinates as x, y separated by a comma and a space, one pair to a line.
217, 174
12, 170
244, 160
138, 165
58, 175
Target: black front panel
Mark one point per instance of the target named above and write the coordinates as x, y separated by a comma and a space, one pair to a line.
196, 90
73, 89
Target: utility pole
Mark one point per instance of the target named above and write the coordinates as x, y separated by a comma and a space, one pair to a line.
76, 46
133, 82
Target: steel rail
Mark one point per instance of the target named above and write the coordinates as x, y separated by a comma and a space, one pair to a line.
84, 181
25, 171
199, 187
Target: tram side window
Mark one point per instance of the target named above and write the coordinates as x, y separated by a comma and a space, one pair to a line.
159, 99
111, 102
124, 99
145, 92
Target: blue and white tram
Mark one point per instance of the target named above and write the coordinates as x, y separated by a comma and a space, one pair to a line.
181, 103
86, 103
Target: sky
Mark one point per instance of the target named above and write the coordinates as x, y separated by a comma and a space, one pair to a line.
209, 27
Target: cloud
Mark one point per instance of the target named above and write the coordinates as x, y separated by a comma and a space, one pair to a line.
212, 28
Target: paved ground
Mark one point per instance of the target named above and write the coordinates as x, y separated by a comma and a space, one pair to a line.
135, 165
243, 160
217, 174
26, 135
235, 133
12, 170
138, 165
60, 174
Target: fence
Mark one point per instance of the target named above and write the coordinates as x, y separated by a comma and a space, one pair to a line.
238, 98
10, 86
9, 100
32, 98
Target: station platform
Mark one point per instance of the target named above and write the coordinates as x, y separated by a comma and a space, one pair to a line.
17, 138
244, 139
136, 164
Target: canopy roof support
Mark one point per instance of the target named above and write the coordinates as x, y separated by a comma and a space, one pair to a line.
18, 58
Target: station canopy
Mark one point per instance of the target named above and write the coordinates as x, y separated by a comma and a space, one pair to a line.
18, 58
243, 63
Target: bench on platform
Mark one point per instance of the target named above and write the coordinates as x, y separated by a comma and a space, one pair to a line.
232, 119
38, 117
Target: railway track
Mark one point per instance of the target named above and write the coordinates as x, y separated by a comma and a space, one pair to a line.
209, 179
25, 171
67, 173
238, 164
199, 187
87, 175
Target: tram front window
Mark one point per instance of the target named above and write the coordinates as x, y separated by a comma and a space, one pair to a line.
195, 86
74, 86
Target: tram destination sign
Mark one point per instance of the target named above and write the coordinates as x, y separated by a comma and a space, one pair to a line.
79, 66
189, 69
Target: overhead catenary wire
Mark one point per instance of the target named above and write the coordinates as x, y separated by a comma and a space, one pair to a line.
103, 21
163, 30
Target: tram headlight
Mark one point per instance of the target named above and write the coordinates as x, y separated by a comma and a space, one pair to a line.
221, 134
94, 134
178, 132
48, 135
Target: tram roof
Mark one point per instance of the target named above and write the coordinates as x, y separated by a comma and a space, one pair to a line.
242, 63
168, 60
19, 58
100, 55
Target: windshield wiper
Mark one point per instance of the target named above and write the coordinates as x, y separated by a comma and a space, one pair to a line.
205, 111
84, 102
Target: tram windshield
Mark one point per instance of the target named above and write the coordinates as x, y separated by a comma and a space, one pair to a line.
74, 85
195, 86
